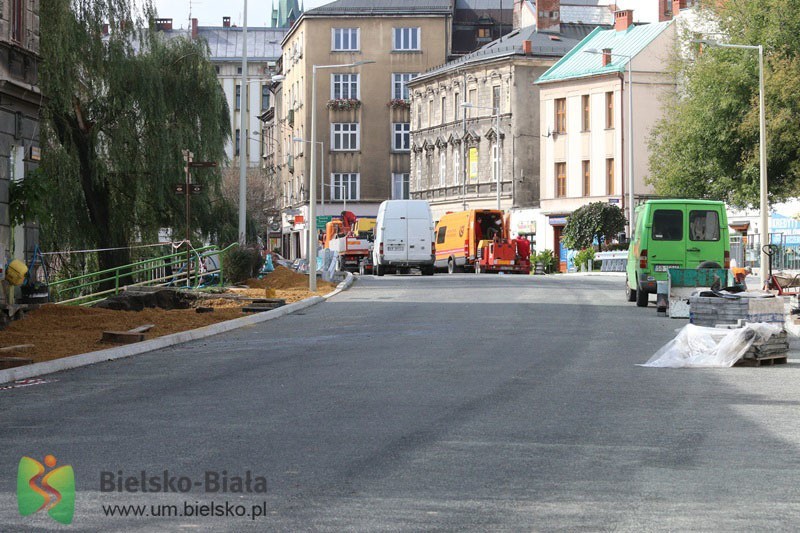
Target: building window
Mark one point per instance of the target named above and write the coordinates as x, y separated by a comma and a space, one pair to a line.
442, 168
444, 109
345, 186
400, 187
264, 97
585, 119
406, 39
400, 85
609, 110
561, 180
343, 39
473, 93
345, 136
456, 164
419, 116
17, 19
456, 106
238, 103
401, 136
587, 178
496, 98
610, 176
237, 141
561, 115
430, 113
484, 34
344, 86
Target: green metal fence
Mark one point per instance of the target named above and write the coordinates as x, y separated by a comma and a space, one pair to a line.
205, 268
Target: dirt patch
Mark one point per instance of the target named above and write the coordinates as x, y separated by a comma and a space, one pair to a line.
58, 331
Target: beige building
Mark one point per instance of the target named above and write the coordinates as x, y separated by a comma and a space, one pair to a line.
585, 106
362, 113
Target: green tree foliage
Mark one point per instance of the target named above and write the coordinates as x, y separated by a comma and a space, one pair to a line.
707, 144
118, 111
597, 221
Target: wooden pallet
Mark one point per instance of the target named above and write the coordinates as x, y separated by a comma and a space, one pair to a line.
778, 359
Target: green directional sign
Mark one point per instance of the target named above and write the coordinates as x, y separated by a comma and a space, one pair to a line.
322, 221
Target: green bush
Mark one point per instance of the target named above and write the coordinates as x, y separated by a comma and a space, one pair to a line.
583, 257
547, 259
241, 264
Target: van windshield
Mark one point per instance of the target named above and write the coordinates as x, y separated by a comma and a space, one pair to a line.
703, 225
668, 225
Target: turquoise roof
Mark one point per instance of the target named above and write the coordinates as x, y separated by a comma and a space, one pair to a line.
579, 64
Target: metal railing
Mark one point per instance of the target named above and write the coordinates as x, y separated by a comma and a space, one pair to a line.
166, 270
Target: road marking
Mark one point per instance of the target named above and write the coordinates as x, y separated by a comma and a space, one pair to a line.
27, 383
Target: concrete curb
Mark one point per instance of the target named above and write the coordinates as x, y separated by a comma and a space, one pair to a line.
110, 354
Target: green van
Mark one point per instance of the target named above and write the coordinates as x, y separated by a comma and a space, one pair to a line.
674, 234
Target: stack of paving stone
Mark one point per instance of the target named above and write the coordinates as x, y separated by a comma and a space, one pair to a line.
712, 311
776, 346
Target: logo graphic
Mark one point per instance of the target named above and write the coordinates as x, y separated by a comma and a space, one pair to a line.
54, 491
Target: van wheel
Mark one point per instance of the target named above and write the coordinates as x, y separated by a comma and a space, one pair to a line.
451, 266
630, 294
427, 270
378, 270
642, 298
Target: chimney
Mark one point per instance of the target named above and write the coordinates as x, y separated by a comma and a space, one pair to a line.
105, 30
194, 28
517, 12
163, 24
623, 19
226, 22
677, 5
606, 56
548, 15
527, 48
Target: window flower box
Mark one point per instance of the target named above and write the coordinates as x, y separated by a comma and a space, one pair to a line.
342, 104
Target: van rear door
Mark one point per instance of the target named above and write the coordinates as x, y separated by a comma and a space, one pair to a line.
395, 233
419, 238
704, 233
666, 248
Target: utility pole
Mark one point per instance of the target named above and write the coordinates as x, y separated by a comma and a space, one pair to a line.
188, 189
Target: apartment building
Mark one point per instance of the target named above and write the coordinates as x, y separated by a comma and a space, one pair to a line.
362, 113
19, 119
585, 105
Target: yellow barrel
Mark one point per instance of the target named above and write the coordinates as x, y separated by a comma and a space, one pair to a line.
15, 273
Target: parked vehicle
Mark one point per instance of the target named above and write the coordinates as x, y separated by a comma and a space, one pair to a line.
674, 234
403, 237
479, 239
349, 248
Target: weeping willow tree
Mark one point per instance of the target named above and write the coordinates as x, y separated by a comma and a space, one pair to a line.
119, 109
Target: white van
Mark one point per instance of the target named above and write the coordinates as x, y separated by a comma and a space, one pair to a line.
403, 237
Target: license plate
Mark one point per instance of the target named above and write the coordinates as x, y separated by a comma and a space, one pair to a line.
664, 268
395, 247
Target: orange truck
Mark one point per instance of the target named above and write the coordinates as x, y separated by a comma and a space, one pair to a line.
349, 248
478, 240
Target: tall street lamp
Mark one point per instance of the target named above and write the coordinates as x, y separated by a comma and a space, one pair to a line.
496, 112
312, 211
762, 152
312, 233
631, 208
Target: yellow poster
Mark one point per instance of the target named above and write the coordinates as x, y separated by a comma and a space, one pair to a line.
473, 164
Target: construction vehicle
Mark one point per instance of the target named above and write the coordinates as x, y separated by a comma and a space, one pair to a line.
349, 246
479, 240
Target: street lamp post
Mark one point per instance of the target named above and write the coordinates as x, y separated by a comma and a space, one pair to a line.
631, 197
243, 158
312, 215
762, 150
496, 112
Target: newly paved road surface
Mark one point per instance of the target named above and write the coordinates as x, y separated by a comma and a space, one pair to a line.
407, 403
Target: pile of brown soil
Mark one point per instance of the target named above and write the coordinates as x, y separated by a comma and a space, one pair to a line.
60, 330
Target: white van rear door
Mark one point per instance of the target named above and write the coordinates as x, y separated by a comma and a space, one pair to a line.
395, 236
419, 239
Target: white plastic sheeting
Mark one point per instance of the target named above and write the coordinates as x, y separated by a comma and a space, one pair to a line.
702, 347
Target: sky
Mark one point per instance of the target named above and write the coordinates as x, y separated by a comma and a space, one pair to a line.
210, 12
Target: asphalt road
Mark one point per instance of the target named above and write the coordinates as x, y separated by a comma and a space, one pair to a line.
407, 403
